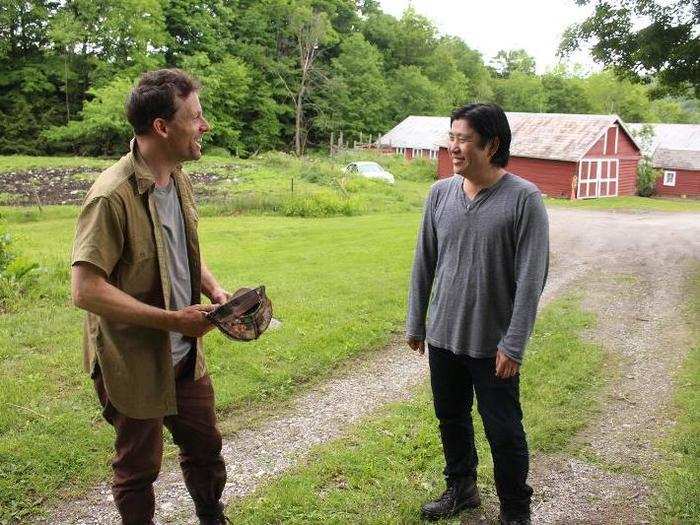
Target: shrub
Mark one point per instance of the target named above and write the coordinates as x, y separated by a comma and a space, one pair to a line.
320, 205
646, 178
15, 273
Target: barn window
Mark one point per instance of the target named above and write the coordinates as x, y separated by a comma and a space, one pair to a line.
401, 151
433, 154
416, 152
669, 178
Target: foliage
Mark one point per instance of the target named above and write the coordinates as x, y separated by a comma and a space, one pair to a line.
520, 92
103, 128
15, 273
412, 93
646, 178
226, 86
609, 95
666, 48
565, 93
516, 60
277, 74
358, 96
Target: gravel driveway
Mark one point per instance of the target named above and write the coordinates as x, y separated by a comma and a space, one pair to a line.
629, 267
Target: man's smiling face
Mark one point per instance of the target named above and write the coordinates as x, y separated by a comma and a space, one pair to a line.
186, 128
469, 156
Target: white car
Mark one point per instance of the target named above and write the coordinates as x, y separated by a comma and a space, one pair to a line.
369, 170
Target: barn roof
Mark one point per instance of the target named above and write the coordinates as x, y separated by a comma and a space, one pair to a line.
417, 132
555, 136
674, 146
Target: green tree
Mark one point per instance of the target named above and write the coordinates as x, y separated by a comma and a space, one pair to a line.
358, 98
225, 87
666, 48
506, 63
467, 61
311, 31
674, 110
520, 92
412, 93
198, 27
565, 93
102, 128
607, 94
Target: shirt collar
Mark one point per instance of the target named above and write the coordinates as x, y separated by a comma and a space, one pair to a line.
145, 178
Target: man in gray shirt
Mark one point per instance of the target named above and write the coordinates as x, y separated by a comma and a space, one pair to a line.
480, 266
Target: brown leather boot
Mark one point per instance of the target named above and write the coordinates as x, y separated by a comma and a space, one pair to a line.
459, 495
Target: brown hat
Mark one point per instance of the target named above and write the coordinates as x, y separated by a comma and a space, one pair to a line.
246, 316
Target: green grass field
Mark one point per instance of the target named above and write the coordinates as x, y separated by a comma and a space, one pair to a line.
393, 463
339, 287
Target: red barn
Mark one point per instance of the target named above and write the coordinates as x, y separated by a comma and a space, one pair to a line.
675, 150
571, 156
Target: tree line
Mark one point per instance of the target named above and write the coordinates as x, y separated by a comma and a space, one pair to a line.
277, 74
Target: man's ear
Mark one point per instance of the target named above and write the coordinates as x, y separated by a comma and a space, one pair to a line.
493, 145
160, 127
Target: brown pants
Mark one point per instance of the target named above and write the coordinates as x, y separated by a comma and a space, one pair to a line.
139, 449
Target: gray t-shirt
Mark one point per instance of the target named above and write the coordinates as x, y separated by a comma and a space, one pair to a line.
479, 268
170, 215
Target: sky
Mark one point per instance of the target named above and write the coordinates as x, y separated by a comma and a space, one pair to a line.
491, 25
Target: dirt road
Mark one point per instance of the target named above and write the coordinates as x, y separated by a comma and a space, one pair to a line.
629, 268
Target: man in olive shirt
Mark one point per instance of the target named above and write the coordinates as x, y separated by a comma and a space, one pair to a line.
480, 265
137, 270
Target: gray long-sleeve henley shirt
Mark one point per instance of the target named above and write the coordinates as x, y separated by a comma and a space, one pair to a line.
479, 268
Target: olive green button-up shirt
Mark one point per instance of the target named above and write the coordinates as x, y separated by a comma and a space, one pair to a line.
119, 232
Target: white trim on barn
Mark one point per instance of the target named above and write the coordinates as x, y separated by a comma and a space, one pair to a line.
598, 182
669, 178
605, 142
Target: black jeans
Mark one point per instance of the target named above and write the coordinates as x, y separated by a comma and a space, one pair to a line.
454, 380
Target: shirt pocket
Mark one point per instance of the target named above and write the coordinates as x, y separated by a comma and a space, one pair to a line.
140, 248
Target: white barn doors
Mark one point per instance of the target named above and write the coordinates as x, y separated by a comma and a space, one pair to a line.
597, 178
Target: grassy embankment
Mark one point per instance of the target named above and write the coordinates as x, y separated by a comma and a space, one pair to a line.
629, 203
385, 468
679, 481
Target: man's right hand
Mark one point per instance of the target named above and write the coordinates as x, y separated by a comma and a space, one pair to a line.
417, 345
190, 321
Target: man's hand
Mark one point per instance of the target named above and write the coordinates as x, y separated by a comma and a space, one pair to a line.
505, 366
220, 296
190, 321
417, 345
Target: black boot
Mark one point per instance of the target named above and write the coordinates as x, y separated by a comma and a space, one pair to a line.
460, 494
211, 515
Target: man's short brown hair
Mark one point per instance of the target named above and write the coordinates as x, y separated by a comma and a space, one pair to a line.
154, 97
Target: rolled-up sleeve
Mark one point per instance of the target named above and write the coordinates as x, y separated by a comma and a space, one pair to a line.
99, 235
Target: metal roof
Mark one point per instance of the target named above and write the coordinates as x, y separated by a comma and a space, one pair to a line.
555, 136
674, 146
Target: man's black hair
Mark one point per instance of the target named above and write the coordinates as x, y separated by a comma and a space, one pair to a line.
490, 122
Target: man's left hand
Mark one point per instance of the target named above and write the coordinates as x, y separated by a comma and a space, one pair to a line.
505, 366
219, 296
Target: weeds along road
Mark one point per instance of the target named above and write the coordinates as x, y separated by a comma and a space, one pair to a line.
629, 269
